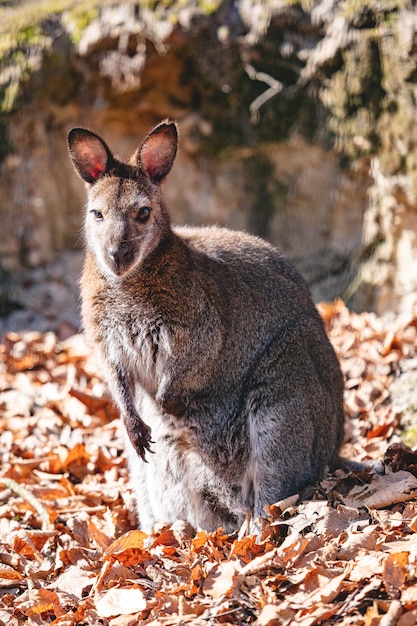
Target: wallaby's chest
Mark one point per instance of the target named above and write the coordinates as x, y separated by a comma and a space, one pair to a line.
131, 333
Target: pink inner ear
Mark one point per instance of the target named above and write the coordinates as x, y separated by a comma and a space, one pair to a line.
94, 160
95, 168
157, 155
89, 153
152, 164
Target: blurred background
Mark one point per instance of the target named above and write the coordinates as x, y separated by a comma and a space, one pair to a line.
297, 123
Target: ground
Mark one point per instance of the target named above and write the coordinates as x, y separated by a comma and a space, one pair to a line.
343, 552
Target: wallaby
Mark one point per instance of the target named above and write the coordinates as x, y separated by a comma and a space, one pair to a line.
227, 385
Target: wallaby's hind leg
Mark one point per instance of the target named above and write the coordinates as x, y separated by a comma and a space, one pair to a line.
295, 415
279, 469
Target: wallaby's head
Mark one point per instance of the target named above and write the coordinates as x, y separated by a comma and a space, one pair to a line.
126, 219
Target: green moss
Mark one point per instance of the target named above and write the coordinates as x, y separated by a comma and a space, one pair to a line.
409, 435
26, 15
23, 29
370, 96
9, 97
24, 39
207, 6
354, 8
80, 18
16, 69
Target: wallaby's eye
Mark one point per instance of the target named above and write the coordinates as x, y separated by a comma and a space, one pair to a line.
98, 215
143, 214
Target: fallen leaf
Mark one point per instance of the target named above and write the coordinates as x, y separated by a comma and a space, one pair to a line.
38, 601
221, 579
367, 565
394, 572
408, 619
384, 491
120, 602
128, 541
75, 581
275, 615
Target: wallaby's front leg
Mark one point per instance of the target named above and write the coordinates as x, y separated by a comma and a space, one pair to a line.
138, 432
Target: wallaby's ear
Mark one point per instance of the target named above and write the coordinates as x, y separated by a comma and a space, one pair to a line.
89, 153
157, 153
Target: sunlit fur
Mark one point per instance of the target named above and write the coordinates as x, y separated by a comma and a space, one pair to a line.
211, 345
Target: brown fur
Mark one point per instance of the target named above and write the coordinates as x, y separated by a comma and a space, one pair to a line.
211, 345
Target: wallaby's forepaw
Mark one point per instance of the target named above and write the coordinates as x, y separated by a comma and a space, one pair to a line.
139, 434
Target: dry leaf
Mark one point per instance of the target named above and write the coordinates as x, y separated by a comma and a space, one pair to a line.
408, 619
384, 491
75, 581
38, 601
120, 602
367, 564
221, 579
131, 539
275, 615
394, 572
352, 543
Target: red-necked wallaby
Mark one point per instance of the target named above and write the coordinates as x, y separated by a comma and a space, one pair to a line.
212, 346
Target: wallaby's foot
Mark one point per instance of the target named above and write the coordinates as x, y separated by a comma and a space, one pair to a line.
376, 465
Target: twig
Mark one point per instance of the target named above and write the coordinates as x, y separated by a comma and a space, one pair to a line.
392, 616
336, 38
27, 495
275, 86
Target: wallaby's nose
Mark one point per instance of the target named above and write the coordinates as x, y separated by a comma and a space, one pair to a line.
118, 255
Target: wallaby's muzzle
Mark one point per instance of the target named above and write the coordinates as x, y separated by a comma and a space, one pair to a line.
120, 258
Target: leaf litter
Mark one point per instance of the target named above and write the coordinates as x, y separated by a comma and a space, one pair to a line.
342, 552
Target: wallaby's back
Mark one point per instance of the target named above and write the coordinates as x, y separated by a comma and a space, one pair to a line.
212, 347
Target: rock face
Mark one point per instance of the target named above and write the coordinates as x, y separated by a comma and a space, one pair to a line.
297, 125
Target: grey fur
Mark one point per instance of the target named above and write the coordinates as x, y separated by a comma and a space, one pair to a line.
211, 345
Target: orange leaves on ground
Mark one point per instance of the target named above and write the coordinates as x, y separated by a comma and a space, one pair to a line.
128, 549
70, 552
40, 602
394, 573
133, 539
221, 579
372, 352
